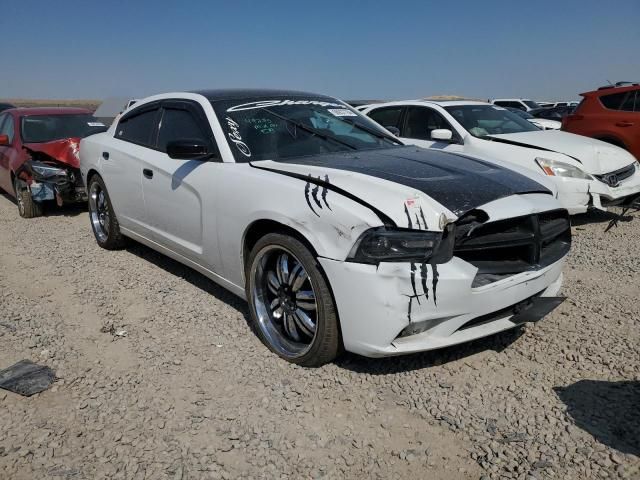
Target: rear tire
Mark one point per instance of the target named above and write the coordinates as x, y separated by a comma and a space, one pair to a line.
102, 216
27, 207
291, 305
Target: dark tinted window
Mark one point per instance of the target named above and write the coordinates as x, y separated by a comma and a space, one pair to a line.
613, 101
179, 125
627, 103
421, 121
517, 105
387, 117
138, 129
47, 128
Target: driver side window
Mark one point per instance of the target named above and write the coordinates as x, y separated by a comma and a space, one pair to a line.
421, 121
179, 124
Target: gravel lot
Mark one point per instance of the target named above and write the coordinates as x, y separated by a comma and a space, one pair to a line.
191, 393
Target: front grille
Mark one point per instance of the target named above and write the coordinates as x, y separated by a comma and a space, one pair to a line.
507, 247
614, 178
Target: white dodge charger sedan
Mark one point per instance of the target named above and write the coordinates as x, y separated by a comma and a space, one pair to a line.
587, 173
337, 234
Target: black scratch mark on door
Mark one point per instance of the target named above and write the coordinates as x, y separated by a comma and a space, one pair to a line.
413, 281
424, 273
325, 190
314, 194
434, 282
406, 211
409, 309
418, 221
307, 188
424, 220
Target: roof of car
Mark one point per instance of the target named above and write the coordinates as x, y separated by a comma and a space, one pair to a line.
442, 103
612, 89
231, 93
512, 100
49, 110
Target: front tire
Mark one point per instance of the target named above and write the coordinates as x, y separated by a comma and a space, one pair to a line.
27, 206
103, 219
292, 308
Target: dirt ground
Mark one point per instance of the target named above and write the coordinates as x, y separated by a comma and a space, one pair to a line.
160, 376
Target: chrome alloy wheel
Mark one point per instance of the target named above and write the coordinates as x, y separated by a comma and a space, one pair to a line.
99, 212
284, 300
19, 189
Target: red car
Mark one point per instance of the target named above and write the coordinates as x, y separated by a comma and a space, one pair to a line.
611, 114
39, 155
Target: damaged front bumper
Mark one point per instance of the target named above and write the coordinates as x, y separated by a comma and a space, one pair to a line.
380, 315
52, 181
578, 195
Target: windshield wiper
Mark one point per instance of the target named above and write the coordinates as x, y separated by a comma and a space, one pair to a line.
371, 131
311, 130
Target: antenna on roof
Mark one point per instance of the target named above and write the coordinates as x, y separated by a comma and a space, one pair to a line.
609, 82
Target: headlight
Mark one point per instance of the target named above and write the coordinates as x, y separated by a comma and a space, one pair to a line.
554, 168
393, 245
45, 170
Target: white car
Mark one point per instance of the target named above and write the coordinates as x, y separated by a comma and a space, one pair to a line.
586, 172
335, 232
524, 104
541, 123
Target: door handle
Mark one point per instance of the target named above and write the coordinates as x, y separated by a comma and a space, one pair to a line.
147, 172
624, 124
105, 155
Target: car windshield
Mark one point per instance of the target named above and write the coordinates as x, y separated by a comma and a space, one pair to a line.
282, 127
531, 104
47, 128
483, 120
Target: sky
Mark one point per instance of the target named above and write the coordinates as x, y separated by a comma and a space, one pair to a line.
392, 49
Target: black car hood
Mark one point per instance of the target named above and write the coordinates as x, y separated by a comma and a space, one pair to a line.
457, 182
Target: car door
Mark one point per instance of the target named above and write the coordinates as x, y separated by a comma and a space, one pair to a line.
619, 116
122, 164
180, 195
420, 121
6, 151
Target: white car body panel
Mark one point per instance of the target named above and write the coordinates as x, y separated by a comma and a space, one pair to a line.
590, 155
199, 212
545, 123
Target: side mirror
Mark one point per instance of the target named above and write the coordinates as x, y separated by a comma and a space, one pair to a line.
441, 135
4, 139
187, 149
394, 130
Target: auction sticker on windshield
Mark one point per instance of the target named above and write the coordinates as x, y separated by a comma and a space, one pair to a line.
342, 112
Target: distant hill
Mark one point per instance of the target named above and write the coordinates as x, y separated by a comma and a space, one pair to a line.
28, 102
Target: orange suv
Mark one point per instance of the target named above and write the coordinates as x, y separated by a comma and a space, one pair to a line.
611, 114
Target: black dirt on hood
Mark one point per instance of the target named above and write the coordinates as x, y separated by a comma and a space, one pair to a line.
458, 182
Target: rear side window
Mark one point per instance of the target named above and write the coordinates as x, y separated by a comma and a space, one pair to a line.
138, 128
6, 126
178, 124
387, 116
613, 101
